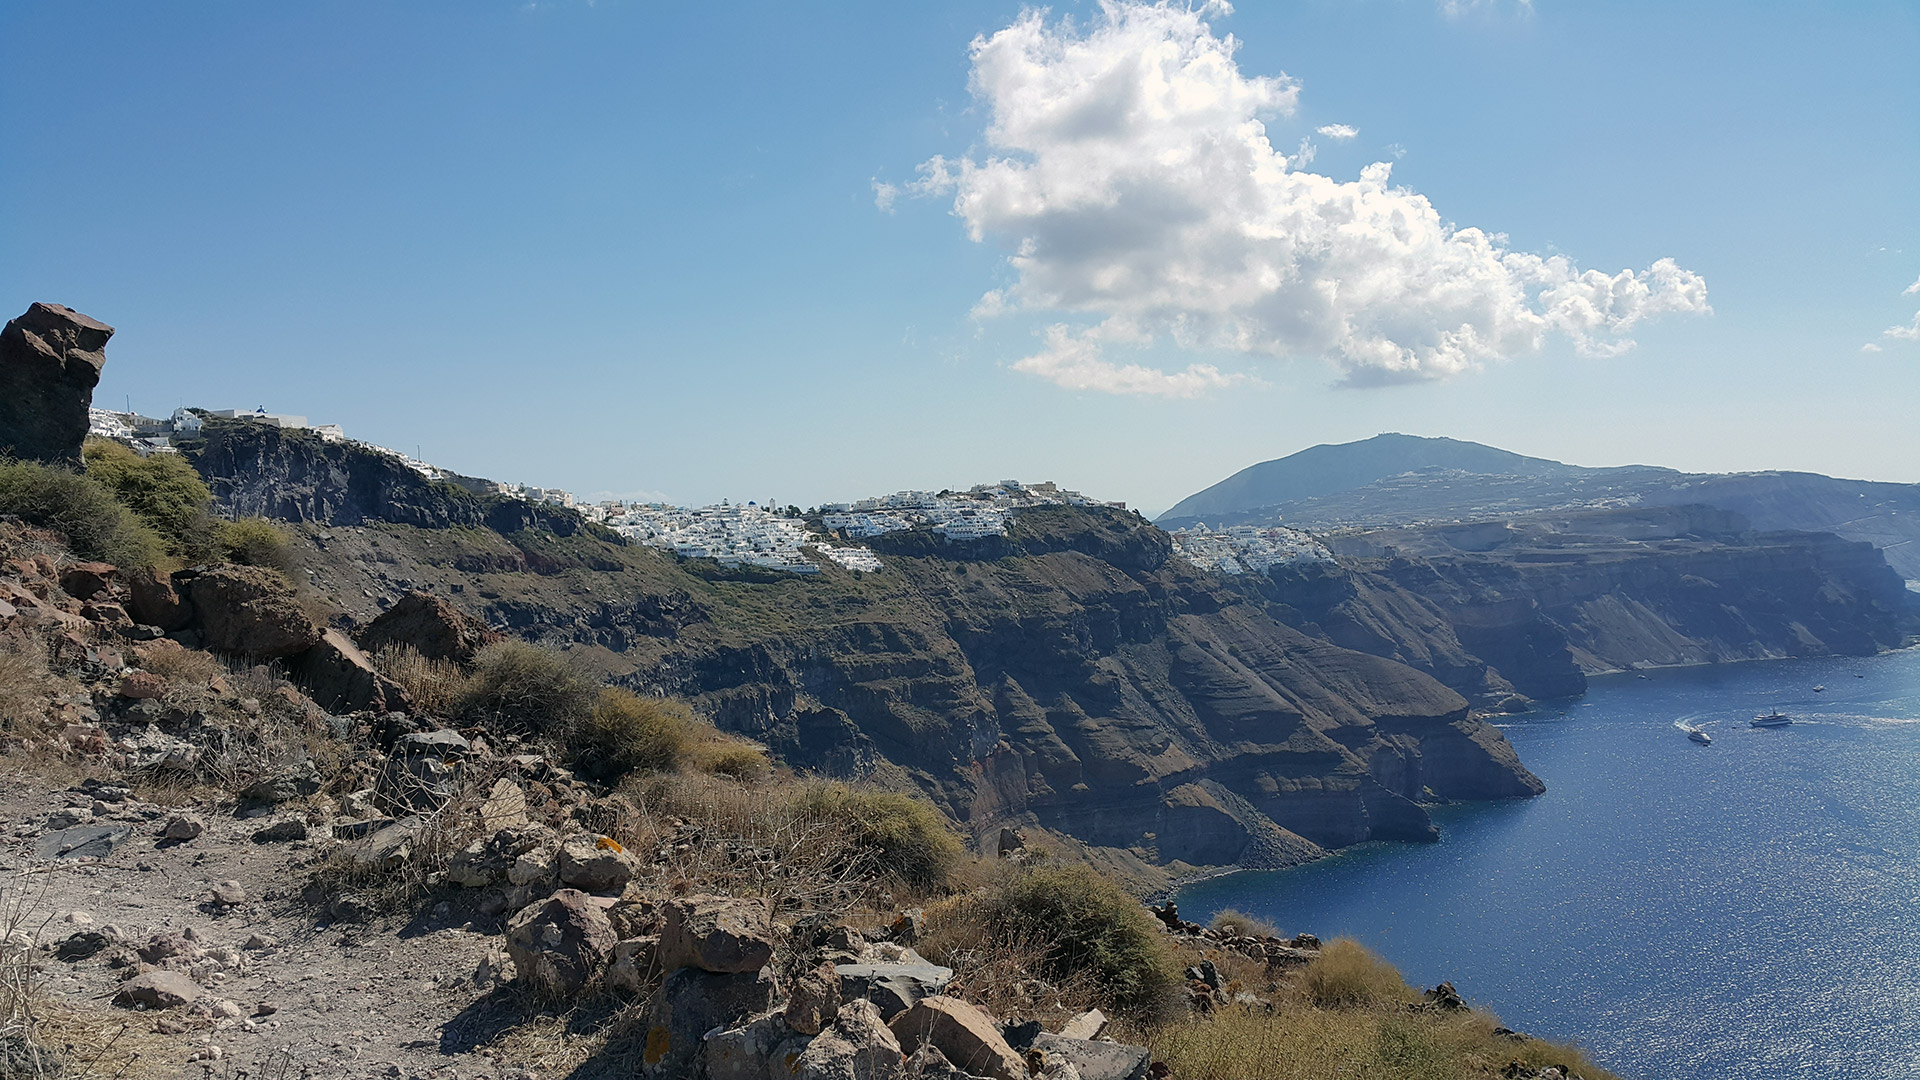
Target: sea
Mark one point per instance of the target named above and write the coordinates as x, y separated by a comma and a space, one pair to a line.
1746, 909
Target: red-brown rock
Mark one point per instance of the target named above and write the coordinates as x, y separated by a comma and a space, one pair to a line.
432, 627
152, 600
86, 580
142, 684
250, 610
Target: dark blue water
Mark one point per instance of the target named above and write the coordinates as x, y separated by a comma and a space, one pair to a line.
1747, 909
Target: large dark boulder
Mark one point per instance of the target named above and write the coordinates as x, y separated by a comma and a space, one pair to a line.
50, 361
431, 626
341, 679
250, 610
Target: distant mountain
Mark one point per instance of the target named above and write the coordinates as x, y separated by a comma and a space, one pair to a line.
1402, 480
1329, 469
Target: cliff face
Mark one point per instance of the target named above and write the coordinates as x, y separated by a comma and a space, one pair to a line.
1069, 676
1073, 676
1544, 599
292, 475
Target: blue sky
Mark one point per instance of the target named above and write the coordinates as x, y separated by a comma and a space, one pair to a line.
628, 247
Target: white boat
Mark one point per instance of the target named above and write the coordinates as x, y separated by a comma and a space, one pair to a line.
1776, 718
1700, 737
1820, 688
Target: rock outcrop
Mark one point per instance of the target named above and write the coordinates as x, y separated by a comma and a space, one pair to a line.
430, 626
295, 475
249, 610
50, 361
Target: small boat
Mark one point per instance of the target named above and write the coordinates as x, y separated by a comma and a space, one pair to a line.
1818, 689
1700, 737
1776, 718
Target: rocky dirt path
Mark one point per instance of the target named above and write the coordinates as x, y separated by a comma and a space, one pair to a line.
286, 994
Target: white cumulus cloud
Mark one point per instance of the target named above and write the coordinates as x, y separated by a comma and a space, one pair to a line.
1909, 332
884, 195
1339, 132
1130, 174
1911, 289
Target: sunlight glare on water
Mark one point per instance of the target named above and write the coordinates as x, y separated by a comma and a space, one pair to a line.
1746, 909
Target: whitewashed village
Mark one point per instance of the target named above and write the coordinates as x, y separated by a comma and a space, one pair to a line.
765, 536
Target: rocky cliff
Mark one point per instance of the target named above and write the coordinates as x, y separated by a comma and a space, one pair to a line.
1070, 676
50, 361
1075, 676
294, 475
1543, 599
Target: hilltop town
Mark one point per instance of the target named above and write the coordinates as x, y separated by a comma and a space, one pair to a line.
768, 537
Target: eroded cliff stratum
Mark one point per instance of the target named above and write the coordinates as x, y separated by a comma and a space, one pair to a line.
1072, 675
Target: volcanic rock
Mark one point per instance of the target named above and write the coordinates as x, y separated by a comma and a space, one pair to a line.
159, 990
968, 1037
251, 610
341, 678
430, 626
558, 945
50, 361
716, 933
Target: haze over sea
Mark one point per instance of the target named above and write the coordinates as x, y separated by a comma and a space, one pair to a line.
1746, 909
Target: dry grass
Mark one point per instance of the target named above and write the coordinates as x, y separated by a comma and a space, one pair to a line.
1299, 1043
431, 685
1240, 924
24, 1050
181, 665
1348, 976
24, 683
1349, 1013
762, 837
1070, 925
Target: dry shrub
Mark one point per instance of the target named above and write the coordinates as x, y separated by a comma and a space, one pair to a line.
236, 746
1240, 924
23, 1049
1296, 1043
995, 965
715, 833
431, 685
96, 525
183, 665
394, 891
24, 682
1347, 976
626, 733
728, 756
901, 835
1082, 924
521, 687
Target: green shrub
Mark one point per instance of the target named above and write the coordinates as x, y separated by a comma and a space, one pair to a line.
1347, 976
1240, 924
96, 525
255, 542
524, 688
627, 733
1093, 927
727, 756
163, 490
904, 836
